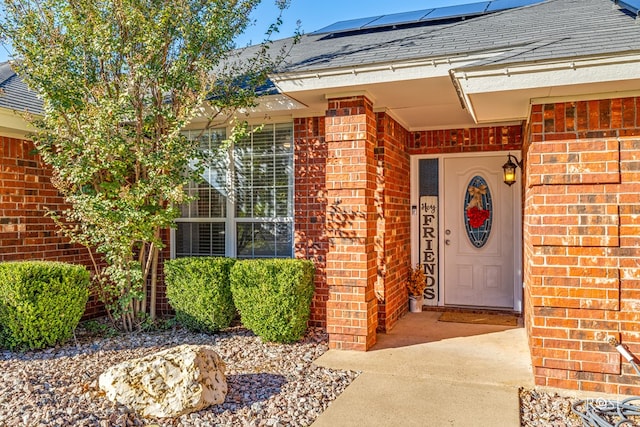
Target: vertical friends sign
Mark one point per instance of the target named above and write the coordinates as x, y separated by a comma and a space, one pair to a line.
429, 246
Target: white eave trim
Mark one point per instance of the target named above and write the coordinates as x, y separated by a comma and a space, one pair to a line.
334, 78
542, 76
13, 124
268, 107
558, 73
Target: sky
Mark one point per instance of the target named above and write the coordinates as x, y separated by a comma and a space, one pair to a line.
314, 14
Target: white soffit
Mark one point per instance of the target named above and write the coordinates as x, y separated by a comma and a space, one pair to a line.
13, 124
499, 94
273, 104
268, 107
419, 93
416, 104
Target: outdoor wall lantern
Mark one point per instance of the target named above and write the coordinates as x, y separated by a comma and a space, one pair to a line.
509, 169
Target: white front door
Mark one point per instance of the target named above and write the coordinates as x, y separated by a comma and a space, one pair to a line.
480, 238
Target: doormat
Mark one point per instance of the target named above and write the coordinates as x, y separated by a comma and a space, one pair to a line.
479, 318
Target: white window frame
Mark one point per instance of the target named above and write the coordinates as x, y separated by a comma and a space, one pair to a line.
231, 221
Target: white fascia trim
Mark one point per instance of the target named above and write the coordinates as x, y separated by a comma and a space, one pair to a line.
463, 96
13, 124
334, 78
549, 74
571, 71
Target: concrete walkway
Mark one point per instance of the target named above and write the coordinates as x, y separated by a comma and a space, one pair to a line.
430, 373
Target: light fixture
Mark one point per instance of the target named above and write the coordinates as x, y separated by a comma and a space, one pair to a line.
509, 169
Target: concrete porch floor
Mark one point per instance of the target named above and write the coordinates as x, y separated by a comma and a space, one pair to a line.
430, 373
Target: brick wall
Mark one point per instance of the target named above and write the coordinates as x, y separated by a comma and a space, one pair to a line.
393, 240
352, 308
26, 193
351, 200
337, 169
582, 243
310, 204
495, 138
25, 233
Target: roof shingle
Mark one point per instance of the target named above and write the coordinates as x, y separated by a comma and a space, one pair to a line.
575, 28
14, 92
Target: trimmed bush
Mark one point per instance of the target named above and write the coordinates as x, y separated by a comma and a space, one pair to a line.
198, 290
41, 302
274, 297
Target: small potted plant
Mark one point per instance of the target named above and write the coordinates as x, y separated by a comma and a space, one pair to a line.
416, 283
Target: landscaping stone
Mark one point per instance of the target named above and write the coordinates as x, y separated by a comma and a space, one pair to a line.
59, 386
173, 382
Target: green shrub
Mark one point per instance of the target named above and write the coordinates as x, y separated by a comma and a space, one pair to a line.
41, 302
199, 292
274, 297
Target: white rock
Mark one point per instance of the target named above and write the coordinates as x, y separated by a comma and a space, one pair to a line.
170, 383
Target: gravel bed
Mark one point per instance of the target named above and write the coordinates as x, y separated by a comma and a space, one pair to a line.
269, 384
539, 408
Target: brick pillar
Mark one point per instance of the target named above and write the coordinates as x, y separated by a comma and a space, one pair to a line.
351, 223
393, 240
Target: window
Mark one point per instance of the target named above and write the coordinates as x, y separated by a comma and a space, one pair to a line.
245, 198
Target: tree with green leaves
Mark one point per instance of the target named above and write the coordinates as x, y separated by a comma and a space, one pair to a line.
119, 80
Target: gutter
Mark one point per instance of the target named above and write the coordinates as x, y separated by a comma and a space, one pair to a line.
572, 63
529, 76
331, 78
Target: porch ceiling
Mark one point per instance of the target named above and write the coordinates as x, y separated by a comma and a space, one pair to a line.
483, 97
492, 107
446, 94
494, 93
417, 104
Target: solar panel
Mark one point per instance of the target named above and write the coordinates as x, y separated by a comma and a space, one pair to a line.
497, 5
427, 15
457, 11
349, 25
630, 5
399, 18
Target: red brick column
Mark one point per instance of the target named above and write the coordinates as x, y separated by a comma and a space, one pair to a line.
393, 240
351, 271
582, 243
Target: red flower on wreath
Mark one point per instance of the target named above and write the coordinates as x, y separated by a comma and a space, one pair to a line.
477, 216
